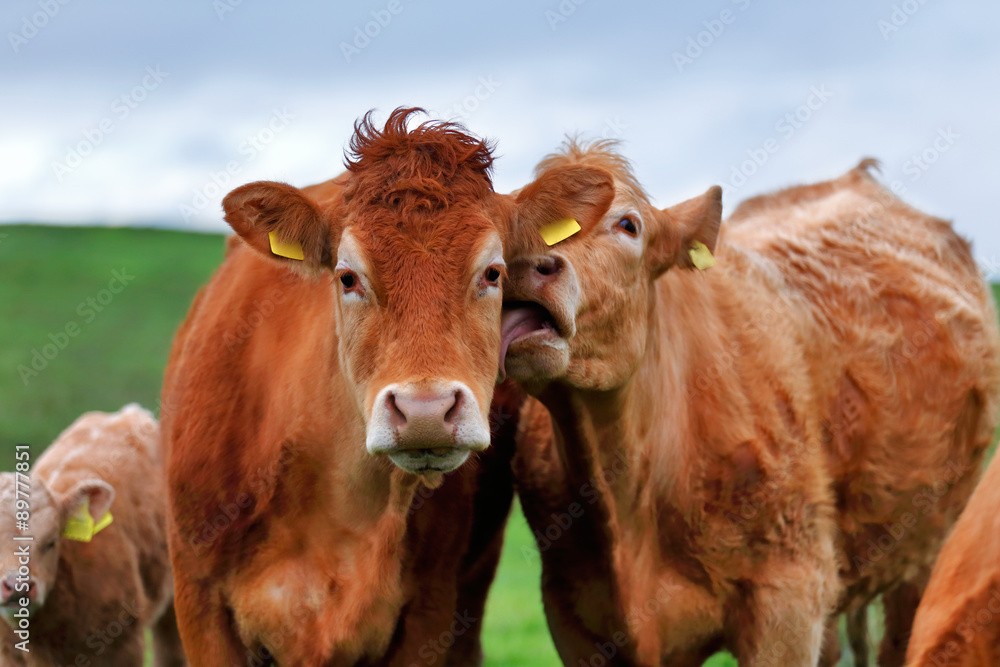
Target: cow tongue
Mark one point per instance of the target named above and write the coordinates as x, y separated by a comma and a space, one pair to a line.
519, 321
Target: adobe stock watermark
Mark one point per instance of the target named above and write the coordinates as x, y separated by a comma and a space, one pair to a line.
100, 640
256, 485
980, 618
915, 167
786, 126
486, 86
559, 523
223, 7
701, 41
121, 108
562, 12
59, 340
899, 17
924, 501
918, 163
639, 615
32, 24
606, 651
613, 128
220, 181
434, 649
364, 34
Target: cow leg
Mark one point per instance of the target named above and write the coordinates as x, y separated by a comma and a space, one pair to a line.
575, 643
477, 576
205, 626
900, 608
781, 620
830, 655
857, 635
167, 647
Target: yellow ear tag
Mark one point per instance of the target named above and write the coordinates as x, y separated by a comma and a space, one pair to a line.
560, 230
80, 526
701, 256
289, 249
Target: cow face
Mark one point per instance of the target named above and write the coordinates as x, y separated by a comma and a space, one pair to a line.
416, 266
49, 515
579, 310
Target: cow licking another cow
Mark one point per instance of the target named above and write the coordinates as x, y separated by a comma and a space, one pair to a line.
733, 455
742, 435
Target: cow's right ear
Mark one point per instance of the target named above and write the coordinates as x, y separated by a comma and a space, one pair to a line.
279, 221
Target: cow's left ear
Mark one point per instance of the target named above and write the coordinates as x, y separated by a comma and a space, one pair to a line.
96, 492
685, 227
280, 222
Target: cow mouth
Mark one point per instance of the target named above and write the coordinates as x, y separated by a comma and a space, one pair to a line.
11, 606
523, 323
430, 460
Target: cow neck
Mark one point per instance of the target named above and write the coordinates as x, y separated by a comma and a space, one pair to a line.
368, 493
634, 442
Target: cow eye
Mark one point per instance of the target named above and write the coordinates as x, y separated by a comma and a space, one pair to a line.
492, 276
350, 281
628, 226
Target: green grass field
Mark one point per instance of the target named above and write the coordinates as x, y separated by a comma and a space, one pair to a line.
88, 316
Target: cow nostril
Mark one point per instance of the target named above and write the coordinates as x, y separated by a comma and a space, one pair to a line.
452, 413
549, 266
396, 415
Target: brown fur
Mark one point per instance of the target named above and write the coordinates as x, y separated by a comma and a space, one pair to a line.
958, 622
770, 415
99, 596
288, 538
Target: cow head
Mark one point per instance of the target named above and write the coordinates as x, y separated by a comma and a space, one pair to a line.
50, 513
579, 310
416, 265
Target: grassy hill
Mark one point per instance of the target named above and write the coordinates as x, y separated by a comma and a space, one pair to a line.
87, 318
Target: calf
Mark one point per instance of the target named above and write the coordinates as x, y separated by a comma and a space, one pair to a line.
958, 622
340, 362
87, 598
736, 439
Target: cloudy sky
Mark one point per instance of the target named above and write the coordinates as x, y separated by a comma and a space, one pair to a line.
118, 112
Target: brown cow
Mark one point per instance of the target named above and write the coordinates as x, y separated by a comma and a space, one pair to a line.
294, 386
958, 622
90, 602
732, 443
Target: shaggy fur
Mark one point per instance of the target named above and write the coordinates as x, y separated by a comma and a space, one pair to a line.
96, 599
958, 622
289, 540
742, 438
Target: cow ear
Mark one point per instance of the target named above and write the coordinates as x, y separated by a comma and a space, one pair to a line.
692, 225
279, 221
582, 193
97, 492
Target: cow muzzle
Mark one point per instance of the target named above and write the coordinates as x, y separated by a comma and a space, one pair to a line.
10, 597
539, 318
427, 426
